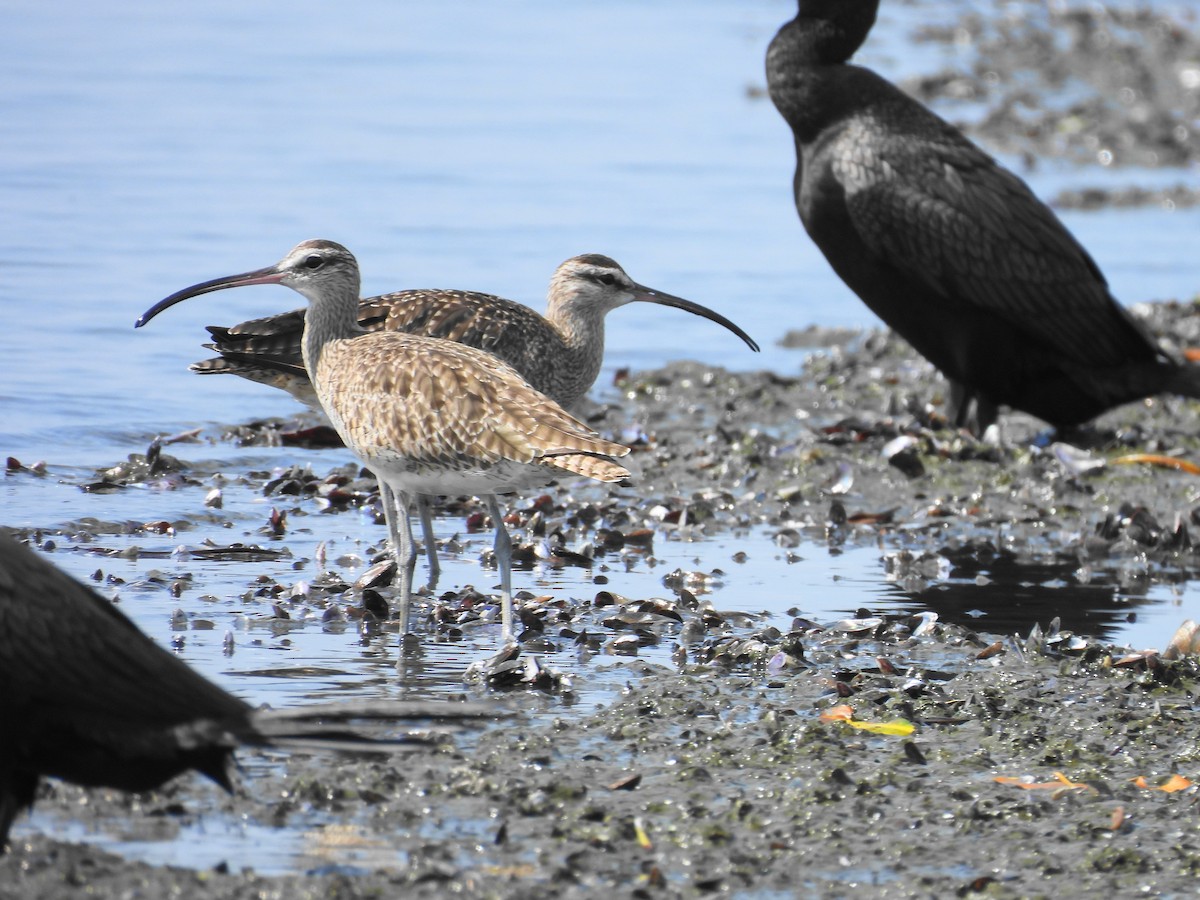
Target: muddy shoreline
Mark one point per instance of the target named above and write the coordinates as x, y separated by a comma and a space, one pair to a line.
718, 775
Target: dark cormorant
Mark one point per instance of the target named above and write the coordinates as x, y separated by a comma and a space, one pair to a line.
86, 697
951, 250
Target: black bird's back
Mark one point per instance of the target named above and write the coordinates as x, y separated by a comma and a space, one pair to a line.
950, 249
86, 697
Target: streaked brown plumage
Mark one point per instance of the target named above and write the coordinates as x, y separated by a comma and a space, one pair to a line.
560, 353
427, 416
86, 697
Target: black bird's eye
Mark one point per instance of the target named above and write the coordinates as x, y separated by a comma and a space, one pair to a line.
314, 262
607, 278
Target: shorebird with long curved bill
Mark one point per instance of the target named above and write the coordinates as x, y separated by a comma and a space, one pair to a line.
426, 415
559, 353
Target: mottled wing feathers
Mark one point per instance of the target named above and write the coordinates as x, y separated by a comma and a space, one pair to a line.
599, 468
238, 363
946, 215
520, 336
438, 403
269, 334
268, 350
468, 317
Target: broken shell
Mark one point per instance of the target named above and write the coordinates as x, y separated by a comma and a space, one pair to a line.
844, 480
898, 445
1077, 462
624, 645
1185, 641
855, 626
379, 575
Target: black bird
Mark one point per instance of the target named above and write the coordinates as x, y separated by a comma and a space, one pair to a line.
950, 249
86, 697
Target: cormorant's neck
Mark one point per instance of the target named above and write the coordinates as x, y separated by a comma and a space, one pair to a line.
808, 52
826, 32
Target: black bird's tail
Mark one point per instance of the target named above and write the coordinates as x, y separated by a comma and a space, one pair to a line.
1185, 380
87, 697
362, 727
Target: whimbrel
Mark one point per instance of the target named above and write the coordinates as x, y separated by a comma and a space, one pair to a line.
560, 353
88, 698
427, 416
951, 250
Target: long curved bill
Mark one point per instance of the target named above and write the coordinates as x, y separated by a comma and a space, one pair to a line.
269, 275
649, 295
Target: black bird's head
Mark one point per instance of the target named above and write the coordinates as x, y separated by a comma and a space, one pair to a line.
824, 32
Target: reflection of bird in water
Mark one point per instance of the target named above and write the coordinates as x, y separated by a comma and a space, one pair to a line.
560, 353
86, 697
427, 416
951, 250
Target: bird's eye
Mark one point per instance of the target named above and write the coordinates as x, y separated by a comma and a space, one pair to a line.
607, 278
314, 262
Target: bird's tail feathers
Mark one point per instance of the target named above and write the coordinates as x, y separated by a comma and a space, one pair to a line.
229, 360
592, 465
365, 727
1185, 380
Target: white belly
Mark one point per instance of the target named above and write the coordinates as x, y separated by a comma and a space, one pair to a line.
457, 476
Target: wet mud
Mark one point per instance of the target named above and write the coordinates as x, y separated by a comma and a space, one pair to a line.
719, 774
907, 754
1089, 83
1086, 83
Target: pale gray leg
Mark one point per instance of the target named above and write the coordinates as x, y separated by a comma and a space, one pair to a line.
431, 556
395, 512
388, 501
503, 547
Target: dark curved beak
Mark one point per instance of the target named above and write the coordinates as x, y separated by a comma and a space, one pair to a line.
269, 275
649, 295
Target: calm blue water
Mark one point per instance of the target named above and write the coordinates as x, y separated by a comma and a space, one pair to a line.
146, 146
475, 145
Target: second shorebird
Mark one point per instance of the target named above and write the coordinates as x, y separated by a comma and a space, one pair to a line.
427, 416
560, 353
